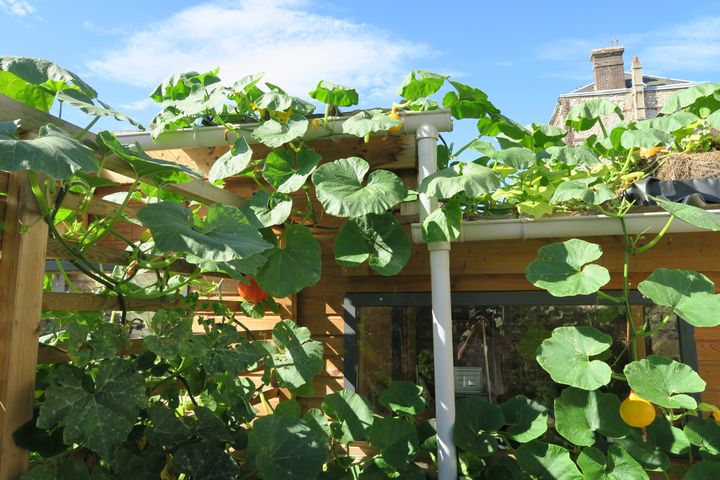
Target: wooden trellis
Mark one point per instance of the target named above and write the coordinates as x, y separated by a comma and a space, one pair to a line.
25, 249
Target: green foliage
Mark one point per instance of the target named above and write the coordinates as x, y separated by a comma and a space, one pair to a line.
581, 413
564, 269
664, 382
339, 187
54, 152
183, 406
378, 239
566, 357
526, 419
286, 448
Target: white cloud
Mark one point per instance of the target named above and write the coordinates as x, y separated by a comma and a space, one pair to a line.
138, 105
683, 49
293, 46
18, 8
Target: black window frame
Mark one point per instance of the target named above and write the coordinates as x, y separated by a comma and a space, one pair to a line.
353, 301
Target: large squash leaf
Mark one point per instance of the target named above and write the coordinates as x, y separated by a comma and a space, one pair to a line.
581, 413
664, 382
547, 461
298, 358
472, 179
477, 420
691, 295
350, 416
99, 412
377, 238
53, 152
285, 448
293, 267
566, 357
564, 269
340, 190
223, 238
287, 172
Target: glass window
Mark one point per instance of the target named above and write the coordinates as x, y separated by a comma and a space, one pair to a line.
494, 345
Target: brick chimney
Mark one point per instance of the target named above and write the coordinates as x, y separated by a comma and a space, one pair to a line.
608, 68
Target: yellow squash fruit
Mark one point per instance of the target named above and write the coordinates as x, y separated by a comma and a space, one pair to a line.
636, 411
394, 114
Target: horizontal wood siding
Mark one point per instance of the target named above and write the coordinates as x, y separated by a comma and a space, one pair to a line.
496, 266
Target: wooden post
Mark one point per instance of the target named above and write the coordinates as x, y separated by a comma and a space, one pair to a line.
22, 265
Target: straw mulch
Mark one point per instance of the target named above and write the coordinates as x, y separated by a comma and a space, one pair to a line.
685, 166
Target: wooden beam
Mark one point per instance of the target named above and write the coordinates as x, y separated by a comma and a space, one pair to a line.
21, 278
97, 206
196, 189
110, 256
93, 302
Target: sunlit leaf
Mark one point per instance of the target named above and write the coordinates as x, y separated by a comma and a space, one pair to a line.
566, 356
334, 94
664, 382
231, 162
419, 84
377, 238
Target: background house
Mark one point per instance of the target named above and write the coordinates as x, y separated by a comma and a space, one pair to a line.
639, 96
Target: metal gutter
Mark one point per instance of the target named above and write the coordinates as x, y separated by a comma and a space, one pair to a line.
218, 135
568, 226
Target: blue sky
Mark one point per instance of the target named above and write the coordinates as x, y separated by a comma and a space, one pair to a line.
523, 53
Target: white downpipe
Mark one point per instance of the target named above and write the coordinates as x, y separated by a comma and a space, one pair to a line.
216, 136
559, 227
427, 136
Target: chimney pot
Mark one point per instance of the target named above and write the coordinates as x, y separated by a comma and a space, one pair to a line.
608, 68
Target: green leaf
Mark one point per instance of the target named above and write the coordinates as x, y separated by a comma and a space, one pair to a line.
583, 190
646, 452
702, 471
377, 238
704, 434
81, 101
566, 357
618, 465
144, 166
396, 438
444, 224
350, 416
664, 382
472, 179
564, 269
366, 122
585, 115
690, 294
294, 267
299, 358
206, 460
650, 137
235, 359
668, 437
281, 102
690, 214
547, 461
687, 96
90, 337
581, 413
166, 429
231, 162
287, 172
35, 82
580, 156
518, 158
275, 134
403, 398
265, 209
334, 94
99, 413
468, 102
669, 123
138, 464
58, 469
222, 239
340, 190
476, 420
526, 419
179, 86
419, 84
316, 419
53, 152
